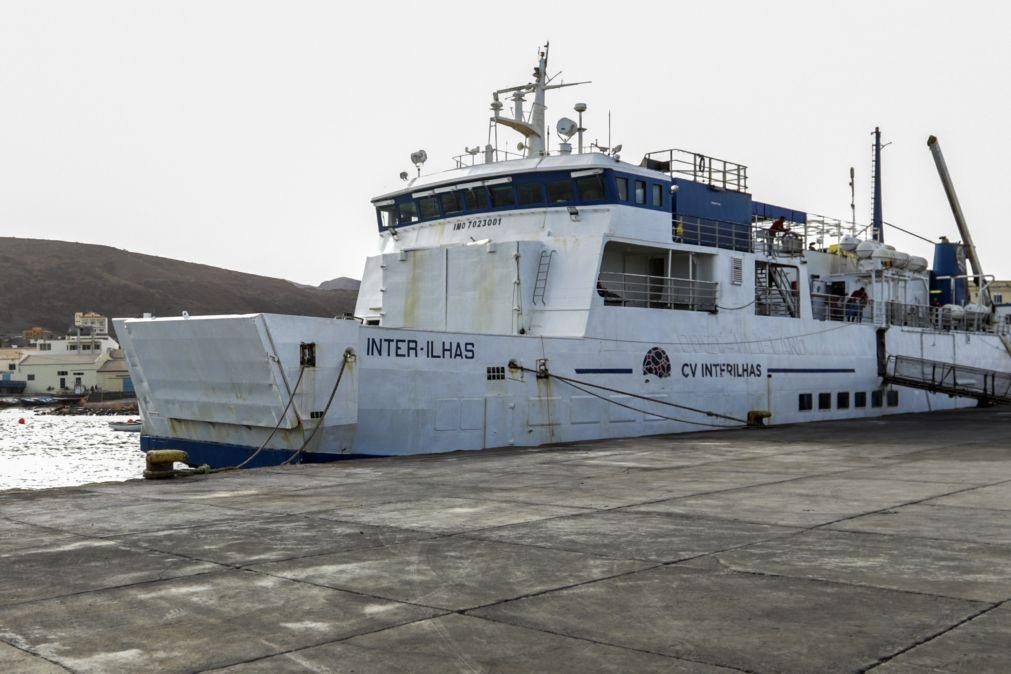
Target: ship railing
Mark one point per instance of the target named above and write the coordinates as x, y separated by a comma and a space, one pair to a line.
712, 233
478, 158
827, 307
700, 168
742, 237
991, 385
657, 292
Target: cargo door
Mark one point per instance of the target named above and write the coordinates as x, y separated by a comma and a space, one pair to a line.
498, 421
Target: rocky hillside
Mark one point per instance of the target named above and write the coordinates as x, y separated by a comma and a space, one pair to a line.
342, 283
44, 282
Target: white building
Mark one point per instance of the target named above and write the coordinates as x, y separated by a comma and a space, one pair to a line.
97, 324
60, 373
93, 344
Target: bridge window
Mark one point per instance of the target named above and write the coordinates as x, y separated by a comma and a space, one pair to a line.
893, 398
876, 398
451, 203
529, 193
406, 212
640, 192
824, 401
560, 191
622, 186
860, 399
590, 188
477, 199
556, 188
502, 195
428, 207
387, 215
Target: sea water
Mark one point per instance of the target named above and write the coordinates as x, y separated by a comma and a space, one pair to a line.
61, 451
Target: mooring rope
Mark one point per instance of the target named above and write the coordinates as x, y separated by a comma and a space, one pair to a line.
207, 470
577, 383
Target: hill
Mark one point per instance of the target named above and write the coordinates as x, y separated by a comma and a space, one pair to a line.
44, 282
342, 283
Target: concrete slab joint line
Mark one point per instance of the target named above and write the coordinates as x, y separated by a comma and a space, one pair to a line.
840, 547
933, 637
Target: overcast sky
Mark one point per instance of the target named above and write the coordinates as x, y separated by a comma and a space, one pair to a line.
251, 135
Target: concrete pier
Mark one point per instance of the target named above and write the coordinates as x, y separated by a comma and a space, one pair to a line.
843, 546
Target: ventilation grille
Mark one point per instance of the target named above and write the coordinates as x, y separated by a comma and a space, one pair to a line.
737, 271
496, 373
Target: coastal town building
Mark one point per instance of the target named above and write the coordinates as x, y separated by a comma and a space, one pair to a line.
89, 359
60, 373
95, 323
113, 375
36, 333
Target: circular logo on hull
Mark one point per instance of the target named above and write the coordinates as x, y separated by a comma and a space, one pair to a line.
656, 362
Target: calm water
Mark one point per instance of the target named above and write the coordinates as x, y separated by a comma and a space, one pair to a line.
51, 451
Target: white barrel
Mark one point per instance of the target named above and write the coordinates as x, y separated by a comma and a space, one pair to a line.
865, 249
901, 260
953, 311
883, 255
849, 243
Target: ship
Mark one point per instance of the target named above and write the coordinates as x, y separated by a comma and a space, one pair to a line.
561, 295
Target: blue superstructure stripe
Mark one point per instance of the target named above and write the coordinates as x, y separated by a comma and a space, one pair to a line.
809, 370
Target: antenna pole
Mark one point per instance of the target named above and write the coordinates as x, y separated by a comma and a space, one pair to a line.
876, 219
580, 131
853, 200
608, 129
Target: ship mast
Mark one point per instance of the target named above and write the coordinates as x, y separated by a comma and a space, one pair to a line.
533, 129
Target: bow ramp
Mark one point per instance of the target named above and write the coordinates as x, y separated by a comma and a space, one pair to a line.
231, 379
987, 386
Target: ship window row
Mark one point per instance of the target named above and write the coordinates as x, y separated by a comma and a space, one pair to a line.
805, 401
594, 186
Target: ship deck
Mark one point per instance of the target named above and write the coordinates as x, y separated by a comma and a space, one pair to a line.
837, 546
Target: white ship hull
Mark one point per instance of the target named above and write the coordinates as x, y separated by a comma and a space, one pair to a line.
406, 391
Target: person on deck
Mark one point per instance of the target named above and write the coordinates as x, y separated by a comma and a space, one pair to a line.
855, 305
778, 228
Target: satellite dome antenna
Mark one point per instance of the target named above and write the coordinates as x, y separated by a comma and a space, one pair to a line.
418, 159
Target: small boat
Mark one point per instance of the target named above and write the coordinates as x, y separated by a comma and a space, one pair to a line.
130, 425
9, 401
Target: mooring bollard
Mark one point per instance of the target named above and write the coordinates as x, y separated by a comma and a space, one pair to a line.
161, 463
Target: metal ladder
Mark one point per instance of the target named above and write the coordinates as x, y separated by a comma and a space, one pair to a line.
773, 292
541, 280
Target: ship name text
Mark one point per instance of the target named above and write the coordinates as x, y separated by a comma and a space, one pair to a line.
713, 370
419, 348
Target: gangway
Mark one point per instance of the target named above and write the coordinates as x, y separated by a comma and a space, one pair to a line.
986, 386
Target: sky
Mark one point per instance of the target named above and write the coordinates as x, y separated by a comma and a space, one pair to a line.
251, 135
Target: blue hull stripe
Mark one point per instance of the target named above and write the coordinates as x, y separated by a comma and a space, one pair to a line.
603, 370
220, 455
809, 370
